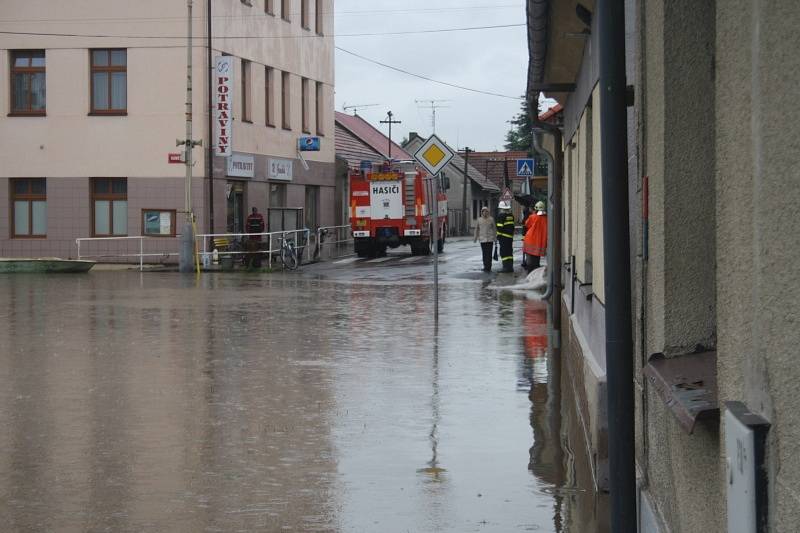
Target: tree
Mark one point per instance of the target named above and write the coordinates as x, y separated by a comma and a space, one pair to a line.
519, 137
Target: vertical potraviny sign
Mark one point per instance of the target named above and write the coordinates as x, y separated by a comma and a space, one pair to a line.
223, 87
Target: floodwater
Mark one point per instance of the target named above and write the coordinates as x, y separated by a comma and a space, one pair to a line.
239, 402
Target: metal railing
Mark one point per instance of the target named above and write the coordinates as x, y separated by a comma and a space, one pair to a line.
113, 248
333, 242
233, 244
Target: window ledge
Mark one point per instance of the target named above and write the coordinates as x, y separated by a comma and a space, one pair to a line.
587, 290
108, 114
687, 384
27, 114
28, 237
285, 128
247, 121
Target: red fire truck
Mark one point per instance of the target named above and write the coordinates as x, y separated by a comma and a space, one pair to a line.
390, 205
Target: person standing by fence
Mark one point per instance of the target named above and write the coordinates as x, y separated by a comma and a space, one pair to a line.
255, 224
486, 233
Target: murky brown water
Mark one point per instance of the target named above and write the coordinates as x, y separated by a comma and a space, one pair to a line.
153, 402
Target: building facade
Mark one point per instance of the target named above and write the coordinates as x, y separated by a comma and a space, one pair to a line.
712, 157
94, 98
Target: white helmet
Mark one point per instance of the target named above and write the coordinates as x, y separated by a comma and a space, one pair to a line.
504, 205
539, 206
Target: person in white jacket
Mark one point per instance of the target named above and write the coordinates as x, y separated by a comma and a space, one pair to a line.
486, 233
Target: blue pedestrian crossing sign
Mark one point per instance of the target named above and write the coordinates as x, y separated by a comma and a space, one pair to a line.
524, 168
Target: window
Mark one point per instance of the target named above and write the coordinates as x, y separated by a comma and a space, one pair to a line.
269, 95
110, 206
245, 90
247, 3
304, 14
285, 112
28, 82
158, 222
109, 81
29, 206
318, 17
304, 103
318, 111
286, 6
269, 7
277, 194
312, 207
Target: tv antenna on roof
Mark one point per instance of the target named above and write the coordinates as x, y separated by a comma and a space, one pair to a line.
356, 107
433, 105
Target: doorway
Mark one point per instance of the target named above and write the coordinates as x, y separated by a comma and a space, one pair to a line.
235, 208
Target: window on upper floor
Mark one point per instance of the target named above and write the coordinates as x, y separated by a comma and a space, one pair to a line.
269, 95
109, 71
304, 18
28, 87
304, 104
269, 7
28, 207
109, 207
285, 101
318, 14
286, 6
246, 103
319, 97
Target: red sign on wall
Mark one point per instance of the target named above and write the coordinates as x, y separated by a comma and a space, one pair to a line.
175, 157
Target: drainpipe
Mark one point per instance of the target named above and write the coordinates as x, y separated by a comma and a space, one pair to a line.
555, 171
616, 263
210, 151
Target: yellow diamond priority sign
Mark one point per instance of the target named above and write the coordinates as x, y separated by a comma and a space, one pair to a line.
434, 154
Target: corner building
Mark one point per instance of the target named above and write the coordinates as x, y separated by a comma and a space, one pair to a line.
93, 99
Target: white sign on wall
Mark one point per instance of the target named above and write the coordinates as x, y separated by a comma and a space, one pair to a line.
279, 169
242, 166
223, 88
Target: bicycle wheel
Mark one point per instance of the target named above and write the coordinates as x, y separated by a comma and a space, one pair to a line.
289, 256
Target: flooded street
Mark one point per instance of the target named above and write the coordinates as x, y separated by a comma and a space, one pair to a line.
326, 400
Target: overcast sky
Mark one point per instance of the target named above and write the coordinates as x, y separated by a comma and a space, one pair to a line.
493, 60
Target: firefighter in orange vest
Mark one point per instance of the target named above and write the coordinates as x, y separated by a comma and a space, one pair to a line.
534, 245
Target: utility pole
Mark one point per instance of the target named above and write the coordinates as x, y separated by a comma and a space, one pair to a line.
186, 261
389, 121
433, 105
464, 225
210, 159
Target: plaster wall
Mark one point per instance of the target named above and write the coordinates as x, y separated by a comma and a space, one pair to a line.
583, 197
758, 154
596, 244
679, 279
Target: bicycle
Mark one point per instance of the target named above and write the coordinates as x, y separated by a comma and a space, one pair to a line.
289, 254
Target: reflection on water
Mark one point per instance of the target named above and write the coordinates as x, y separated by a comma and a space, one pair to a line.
268, 403
558, 456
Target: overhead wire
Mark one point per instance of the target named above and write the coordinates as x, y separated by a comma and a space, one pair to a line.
420, 76
301, 36
265, 15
